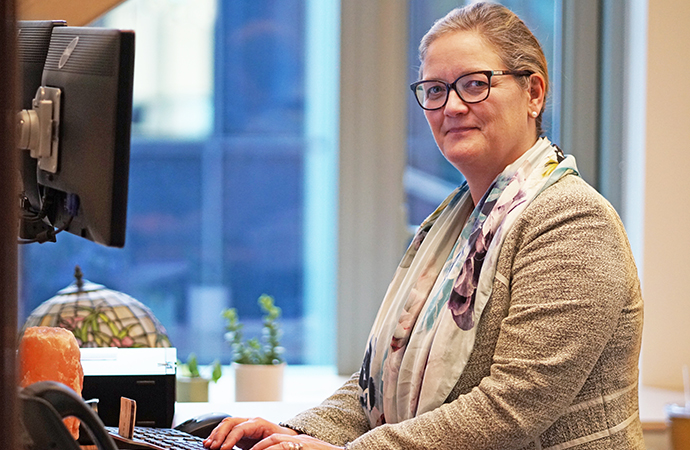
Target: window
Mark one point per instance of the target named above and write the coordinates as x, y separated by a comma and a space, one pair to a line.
223, 139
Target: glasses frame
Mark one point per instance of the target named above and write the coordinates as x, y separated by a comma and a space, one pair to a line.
454, 85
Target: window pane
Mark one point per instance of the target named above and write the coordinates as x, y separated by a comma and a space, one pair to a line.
429, 178
217, 175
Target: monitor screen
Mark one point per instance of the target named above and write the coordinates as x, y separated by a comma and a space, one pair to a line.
85, 190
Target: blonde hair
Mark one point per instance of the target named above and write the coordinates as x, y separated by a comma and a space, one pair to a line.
504, 30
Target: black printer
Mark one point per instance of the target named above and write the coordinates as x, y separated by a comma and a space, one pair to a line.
146, 375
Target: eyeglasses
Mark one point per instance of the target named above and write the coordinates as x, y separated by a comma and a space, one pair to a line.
471, 88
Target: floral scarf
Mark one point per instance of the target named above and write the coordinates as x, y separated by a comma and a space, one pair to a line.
425, 329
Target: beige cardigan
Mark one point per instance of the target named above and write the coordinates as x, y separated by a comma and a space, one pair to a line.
555, 360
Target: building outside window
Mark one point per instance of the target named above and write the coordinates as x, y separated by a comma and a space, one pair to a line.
216, 213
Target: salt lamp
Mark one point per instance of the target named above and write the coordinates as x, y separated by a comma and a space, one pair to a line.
51, 353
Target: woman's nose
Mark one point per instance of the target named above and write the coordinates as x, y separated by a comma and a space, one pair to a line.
455, 105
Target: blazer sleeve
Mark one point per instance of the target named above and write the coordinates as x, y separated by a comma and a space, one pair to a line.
338, 419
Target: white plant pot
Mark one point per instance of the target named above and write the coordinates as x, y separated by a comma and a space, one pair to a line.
191, 389
258, 382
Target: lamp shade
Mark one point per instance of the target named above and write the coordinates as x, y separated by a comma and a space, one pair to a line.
100, 317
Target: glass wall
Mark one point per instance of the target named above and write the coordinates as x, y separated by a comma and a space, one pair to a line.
216, 213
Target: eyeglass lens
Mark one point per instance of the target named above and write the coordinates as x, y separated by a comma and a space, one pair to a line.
471, 88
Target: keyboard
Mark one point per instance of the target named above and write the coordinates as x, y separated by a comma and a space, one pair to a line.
146, 438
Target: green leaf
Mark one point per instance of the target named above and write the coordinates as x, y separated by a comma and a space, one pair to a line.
193, 366
217, 371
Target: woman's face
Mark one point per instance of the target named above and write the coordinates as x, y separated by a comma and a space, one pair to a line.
479, 139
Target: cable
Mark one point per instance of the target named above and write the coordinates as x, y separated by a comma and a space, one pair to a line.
72, 208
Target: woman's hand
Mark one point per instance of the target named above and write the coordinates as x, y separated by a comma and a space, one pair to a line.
260, 434
242, 432
292, 442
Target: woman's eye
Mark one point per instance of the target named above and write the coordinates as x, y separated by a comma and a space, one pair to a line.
435, 91
476, 84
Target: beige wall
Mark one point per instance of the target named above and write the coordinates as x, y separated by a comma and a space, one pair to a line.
666, 260
76, 13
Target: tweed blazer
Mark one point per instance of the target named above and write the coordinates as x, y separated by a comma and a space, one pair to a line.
555, 361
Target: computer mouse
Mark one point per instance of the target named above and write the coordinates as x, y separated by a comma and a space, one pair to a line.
202, 425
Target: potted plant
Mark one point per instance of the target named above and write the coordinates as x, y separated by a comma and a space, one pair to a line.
258, 363
191, 386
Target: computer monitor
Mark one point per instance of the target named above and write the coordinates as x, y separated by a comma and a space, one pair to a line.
33, 40
79, 129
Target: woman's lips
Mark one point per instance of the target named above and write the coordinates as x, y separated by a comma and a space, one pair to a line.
461, 130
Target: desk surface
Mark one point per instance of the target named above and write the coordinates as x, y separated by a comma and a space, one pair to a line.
307, 386
653, 402
304, 387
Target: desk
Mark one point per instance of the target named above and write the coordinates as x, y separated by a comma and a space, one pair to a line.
271, 411
305, 387
653, 402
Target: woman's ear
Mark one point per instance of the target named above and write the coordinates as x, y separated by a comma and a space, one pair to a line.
536, 92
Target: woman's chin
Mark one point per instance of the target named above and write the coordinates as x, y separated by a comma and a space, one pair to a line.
464, 153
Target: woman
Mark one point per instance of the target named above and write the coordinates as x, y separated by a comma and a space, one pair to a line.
514, 319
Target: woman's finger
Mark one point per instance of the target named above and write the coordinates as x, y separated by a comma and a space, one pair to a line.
242, 432
293, 442
221, 431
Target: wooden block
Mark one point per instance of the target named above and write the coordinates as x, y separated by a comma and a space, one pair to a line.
128, 416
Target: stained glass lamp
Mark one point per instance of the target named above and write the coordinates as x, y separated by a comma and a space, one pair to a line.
100, 317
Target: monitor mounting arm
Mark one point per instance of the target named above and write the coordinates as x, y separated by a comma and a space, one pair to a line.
38, 128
